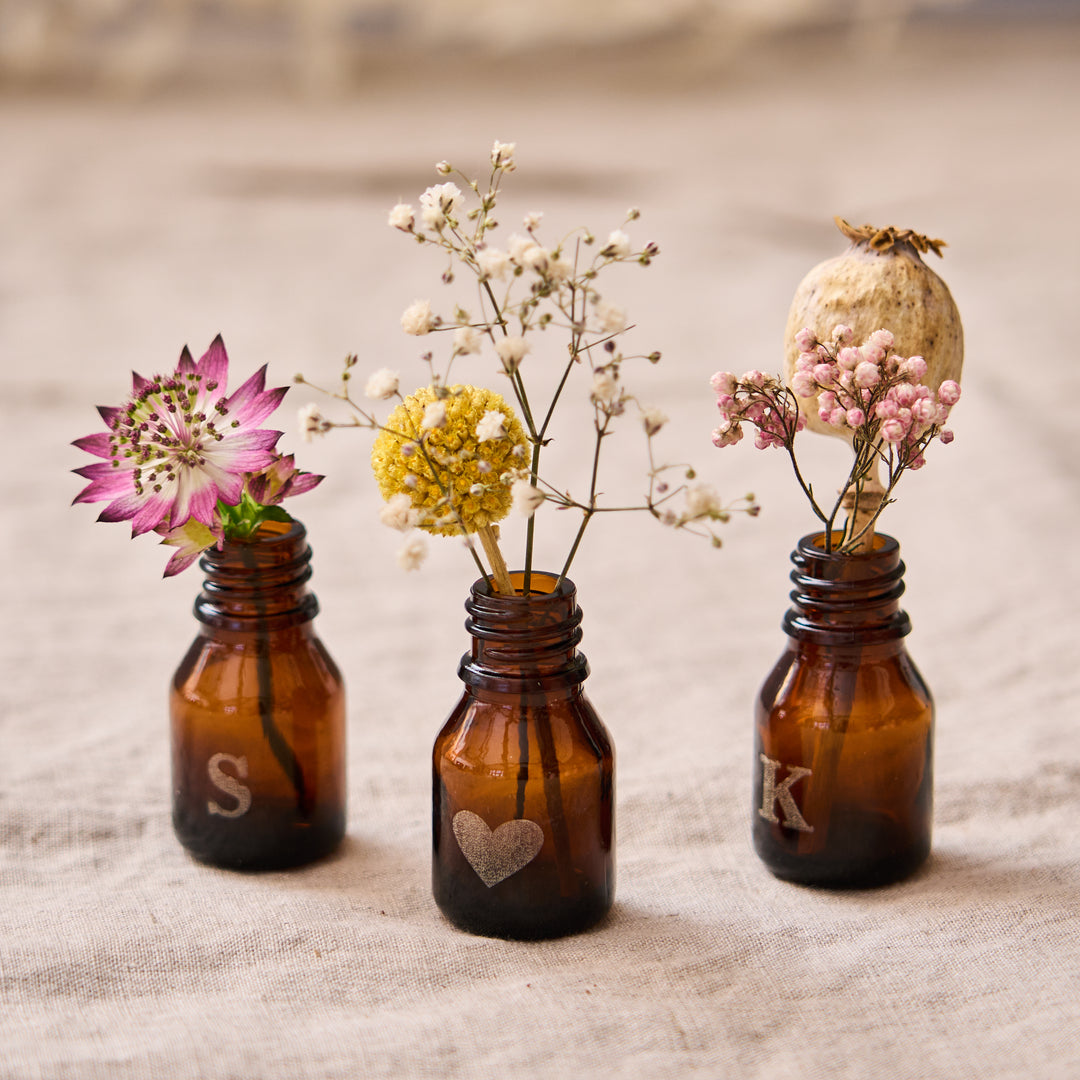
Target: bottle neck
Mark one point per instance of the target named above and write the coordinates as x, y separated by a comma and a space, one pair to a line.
259, 584
847, 599
521, 643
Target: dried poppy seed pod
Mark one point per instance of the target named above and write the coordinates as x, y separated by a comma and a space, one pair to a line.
880, 282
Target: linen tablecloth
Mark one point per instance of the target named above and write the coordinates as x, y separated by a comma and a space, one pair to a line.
129, 230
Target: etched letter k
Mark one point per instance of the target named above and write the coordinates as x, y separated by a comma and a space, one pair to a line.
771, 791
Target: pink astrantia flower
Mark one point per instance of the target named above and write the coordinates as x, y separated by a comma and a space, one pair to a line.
178, 444
190, 540
267, 488
280, 480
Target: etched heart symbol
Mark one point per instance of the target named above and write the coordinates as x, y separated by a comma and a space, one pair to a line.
496, 855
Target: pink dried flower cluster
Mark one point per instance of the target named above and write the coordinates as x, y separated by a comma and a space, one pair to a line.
757, 399
872, 390
867, 390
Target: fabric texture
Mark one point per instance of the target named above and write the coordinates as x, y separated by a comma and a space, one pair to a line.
128, 232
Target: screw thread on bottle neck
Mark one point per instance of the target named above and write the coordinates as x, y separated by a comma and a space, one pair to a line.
847, 599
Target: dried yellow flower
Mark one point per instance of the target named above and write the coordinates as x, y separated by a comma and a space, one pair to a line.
445, 470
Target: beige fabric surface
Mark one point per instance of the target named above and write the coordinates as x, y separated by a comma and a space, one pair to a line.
127, 231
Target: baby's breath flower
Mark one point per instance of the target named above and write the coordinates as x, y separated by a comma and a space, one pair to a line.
617, 246
398, 513
413, 553
612, 318
724, 382
382, 384
560, 269
311, 422
873, 396
519, 246
440, 201
493, 263
702, 500
881, 339
512, 350
492, 426
417, 318
502, 156
434, 416
949, 392
465, 472
654, 420
526, 497
466, 340
914, 367
451, 460
605, 386
867, 374
444, 168
535, 258
402, 217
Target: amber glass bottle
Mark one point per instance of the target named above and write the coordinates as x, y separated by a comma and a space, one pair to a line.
523, 796
843, 782
258, 712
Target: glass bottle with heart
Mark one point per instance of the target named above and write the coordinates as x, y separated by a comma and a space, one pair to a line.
523, 822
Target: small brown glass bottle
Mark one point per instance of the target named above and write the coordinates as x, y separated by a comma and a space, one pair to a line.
258, 712
843, 781
523, 796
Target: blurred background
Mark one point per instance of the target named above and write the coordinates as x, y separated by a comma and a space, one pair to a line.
319, 48
322, 47
172, 169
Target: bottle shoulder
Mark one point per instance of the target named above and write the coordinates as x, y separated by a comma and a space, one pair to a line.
483, 729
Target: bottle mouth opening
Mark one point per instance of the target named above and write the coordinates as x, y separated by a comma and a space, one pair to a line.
543, 585
814, 544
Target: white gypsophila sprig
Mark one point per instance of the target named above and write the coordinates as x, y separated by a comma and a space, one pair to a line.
382, 385
398, 513
538, 306
417, 319
402, 216
412, 554
467, 340
492, 426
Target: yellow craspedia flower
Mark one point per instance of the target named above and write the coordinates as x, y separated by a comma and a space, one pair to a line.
448, 456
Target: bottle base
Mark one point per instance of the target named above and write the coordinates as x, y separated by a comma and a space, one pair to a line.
863, 852
272, 844
557, 920
528, 906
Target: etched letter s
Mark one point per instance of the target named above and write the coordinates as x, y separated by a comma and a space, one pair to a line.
229, 784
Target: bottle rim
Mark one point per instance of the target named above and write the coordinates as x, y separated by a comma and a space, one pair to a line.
236, 580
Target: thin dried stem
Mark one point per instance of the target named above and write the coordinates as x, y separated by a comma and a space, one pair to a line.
489, 538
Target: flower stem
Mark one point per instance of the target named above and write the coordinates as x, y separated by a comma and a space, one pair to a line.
601, 431
501, 575
282, 751
530, 527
